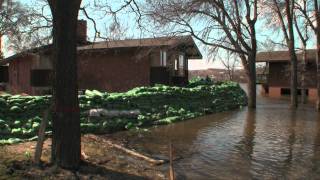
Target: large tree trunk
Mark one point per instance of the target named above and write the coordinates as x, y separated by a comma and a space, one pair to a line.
66, 148
250, 70
252, 63
303, 78
293, 77
317, 10
318, 69
252, 91
293, 56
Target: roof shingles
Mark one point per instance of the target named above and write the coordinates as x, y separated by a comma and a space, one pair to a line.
275, 56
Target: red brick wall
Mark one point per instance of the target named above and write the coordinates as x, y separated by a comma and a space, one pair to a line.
113, 71
19, 75
108, 71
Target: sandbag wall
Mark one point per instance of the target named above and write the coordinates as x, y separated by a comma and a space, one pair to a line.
20, 116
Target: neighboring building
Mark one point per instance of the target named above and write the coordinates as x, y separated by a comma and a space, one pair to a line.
278, 73
107, 66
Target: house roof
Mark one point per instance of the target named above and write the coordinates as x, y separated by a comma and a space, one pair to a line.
25, 53
170, 42
279, 56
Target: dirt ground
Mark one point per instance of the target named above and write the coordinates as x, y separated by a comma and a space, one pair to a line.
103, 162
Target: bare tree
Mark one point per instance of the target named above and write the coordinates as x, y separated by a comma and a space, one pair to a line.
23, 26
12, 18
284, 11
114, 29
311, 13
301, 27
230, 62
228, 25
66, 141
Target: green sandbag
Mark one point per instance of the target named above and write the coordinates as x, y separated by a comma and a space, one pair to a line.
15, 109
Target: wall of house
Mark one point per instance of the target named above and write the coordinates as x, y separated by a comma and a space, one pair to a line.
42, 61
279, 79
168, 75
4, 74
155, 57
19, 75
107, 70
113, 70
279, 75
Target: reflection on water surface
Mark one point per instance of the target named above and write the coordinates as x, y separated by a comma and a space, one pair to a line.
270, 142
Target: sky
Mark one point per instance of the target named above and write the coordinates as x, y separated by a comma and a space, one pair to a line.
204, 64
128, 22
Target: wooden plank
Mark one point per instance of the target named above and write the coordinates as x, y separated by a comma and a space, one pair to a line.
131, 152
171, 170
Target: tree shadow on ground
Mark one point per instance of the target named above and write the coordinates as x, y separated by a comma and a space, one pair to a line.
87, 170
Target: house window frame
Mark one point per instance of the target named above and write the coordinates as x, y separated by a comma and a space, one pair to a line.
4, 74
163, 58
176, 65
40, 83
181, 61
181, 64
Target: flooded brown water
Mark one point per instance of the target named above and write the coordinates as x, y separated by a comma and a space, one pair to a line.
272, 142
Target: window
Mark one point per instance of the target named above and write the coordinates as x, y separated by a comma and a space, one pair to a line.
4, 74
287, 91
181, 65
41, 77
176, 64
181, 61
163, 58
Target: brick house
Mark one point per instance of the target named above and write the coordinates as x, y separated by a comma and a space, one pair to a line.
107, 66
278, 73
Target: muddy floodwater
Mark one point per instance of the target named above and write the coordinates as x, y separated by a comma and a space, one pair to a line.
272, 142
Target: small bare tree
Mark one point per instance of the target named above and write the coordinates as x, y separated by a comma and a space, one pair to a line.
228, 25
310, 10
284, 11
302, 27
23, 26
230, 61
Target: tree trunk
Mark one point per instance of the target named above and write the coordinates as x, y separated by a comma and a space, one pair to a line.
293, 77
251, 76
317, 12
293, 56
303, 72
66, 148
318, 68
